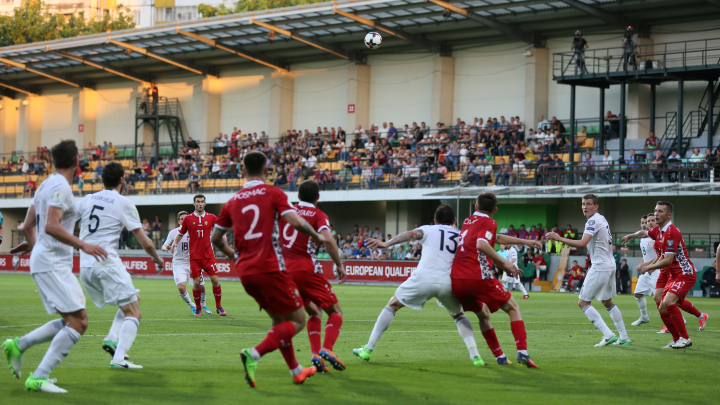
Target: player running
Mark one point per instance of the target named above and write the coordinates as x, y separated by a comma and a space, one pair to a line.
254, 214
509, 253
431, 279
647, 281
600, 279
474, 285
102, 216
300, 253
198, 226
181, 266
48, 229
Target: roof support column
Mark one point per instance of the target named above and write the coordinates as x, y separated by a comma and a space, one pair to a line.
537, 79
638, 96
8, 124
443, 90
87, 117
359, 98
210, 110
29, 132
282, 99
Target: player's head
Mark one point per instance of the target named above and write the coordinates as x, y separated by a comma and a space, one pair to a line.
575, 263
180, 216
444, 215
651, 221
486, 203
65, 155
643, 223
199, 203
309, 192
663, 212
112, 175
255, 164
503, 247
590, 204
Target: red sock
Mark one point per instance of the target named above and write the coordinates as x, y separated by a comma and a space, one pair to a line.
677, 320
332, 330
197, 296
288, 354
518, 331
218, 293
492, 342
667, 320
277, 337
688, 307
313, 329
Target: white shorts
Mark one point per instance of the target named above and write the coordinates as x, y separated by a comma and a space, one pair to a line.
60, 291
646, 283
510, 279
109, 285
181, 273
414, 294
599, 285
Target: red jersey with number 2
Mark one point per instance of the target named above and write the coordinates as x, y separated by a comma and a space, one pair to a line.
299, 251
199, 229
469, 262
254, 215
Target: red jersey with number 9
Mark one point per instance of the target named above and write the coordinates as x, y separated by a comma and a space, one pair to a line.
470, 264
199, 229
254, 215
299, 250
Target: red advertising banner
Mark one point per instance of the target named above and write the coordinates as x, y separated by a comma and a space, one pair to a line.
357, 270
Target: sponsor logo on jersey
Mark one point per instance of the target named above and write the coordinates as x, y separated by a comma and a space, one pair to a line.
590, 228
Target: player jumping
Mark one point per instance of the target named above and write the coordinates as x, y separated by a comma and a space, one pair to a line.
181, 265
300, 253
254, 214
199, 225
431, 279
510, 254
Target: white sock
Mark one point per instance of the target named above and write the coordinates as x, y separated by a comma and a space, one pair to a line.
297, 370
383, 322
522, 288
642, 304
114, 333
42, 334
202, 299
61, 345
186, 297
594, 316
616, 317
255, 354
537, 273
128, 332
468, 336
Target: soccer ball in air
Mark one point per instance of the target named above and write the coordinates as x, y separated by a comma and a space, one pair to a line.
373, 40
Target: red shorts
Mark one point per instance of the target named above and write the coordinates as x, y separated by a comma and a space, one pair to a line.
314, 287
274, 292
662, 279
680, 285
199, 265
472, 294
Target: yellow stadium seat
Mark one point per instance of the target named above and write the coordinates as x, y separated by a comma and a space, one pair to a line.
242, 182
96, 187
75, 188
234, 183
87, 176
140, 186
221, 183
173, 184
336, 166
454, 176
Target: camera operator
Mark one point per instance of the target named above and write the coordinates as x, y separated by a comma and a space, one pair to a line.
579, 45
629, 54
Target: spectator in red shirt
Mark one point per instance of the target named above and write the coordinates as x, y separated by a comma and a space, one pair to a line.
147, 170
540, 265
30, 187
576, 273
651, 143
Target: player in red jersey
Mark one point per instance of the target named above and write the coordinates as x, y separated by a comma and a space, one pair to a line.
474, 285
254, 214
199, 224
300, 253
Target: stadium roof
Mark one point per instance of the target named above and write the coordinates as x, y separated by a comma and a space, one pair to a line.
323, 31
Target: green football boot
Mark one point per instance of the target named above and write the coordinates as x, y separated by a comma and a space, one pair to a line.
14, 356
478, 362
43, 384
363, 353
250, 365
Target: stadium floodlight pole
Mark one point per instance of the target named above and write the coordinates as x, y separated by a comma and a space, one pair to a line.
239, 52
102, 66
142, 51
18, 88
40, 72
423, 43
333, 49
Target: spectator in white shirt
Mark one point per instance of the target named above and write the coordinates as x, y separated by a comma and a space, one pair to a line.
543, 124
518, 171
383, 132
312, 161
607, 163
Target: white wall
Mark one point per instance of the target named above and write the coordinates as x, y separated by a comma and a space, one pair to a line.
58, 116
320, 96
116, 113
245, 101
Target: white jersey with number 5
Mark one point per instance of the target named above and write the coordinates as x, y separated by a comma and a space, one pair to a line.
600, 245
439, 244
647, 246
182, 250
102, 216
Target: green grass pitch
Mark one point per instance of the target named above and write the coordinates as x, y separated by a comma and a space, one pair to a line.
420, 359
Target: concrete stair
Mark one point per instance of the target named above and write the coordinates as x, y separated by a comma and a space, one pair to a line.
544, 285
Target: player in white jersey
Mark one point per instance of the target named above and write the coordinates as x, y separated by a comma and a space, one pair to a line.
600, 280
431, 279
509, 253
48, 230
181, 265
102, 216
647, 281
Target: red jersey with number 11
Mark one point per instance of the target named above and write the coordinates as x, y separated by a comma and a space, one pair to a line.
254, 214
199, 229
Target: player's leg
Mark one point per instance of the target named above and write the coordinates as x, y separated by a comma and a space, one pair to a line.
182, 290
617, 319
314, 331
488, 333
517, 326
127, 334
521, 286
594, 282
688, 307
181, 275
217, 290
382, 323
14, 348
448, 301
197, 295
674, 295
332, 331
111, 340
537, 271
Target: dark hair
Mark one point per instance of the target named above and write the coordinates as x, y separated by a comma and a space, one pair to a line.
652, 214
445, 215
112, 174
199, 196
487, 202
667, 204
254, 163
309, 191
64, 154
595, 199
644, 217
181, 213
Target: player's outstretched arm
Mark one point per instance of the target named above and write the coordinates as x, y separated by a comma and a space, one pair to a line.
23, 247
484, 247
28, 228
54, 228
218, 239
415, 234
332, 250
149, 247
509, 240
660, 263
571, 242
299, 223
636, 235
